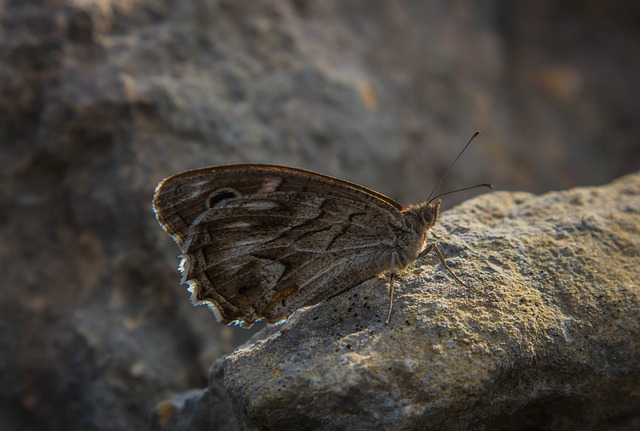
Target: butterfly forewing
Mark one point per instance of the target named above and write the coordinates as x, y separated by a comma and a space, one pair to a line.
263, 241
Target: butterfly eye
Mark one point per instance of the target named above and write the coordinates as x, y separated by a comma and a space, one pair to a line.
428, 214
219, 196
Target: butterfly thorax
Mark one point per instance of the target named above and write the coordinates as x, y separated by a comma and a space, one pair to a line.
419, 219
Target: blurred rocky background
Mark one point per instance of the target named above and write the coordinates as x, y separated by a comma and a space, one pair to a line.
100, 100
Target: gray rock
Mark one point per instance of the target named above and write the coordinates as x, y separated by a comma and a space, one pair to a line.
206, 409
101, 100
547, 338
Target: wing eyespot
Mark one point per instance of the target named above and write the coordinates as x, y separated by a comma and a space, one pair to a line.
217, 197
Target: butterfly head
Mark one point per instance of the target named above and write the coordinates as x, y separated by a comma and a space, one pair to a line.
423, 216
430, 213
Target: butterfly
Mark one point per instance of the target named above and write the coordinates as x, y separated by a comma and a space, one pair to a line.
262, 241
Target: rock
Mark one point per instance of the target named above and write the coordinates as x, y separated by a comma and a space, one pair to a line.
207, 409
101, 100
547, 338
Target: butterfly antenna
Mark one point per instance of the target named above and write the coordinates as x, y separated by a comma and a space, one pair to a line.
451, 166
487, 185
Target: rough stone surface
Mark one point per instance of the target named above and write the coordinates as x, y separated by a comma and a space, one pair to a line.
548, 338
100, 100
207, 409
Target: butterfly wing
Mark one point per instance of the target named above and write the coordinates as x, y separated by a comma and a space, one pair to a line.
262, 241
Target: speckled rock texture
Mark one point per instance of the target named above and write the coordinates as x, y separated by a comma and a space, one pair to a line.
547, 338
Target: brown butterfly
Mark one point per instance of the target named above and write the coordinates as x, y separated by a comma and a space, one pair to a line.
262, 241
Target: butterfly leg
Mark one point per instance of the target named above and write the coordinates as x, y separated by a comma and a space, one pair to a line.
392, 277
433, 246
